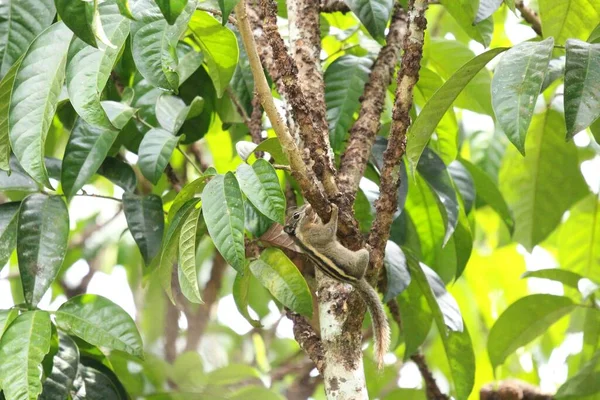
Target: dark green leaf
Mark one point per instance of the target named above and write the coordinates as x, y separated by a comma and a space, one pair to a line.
556, 70
59, 383
241, 286
120, 173
119, 114
172, 112
280, 276
516, 84
42, 235
582, 95
9, 213
187, 257
398, 277
226, 7
101, 323
416, 318
34, 101
464, 183
224, 216
261, 185
91, 384
22, 349
254, 221
145, 219
464, 12
171, 9
345, 79
374, 14
155, 151
82, 17
523, 321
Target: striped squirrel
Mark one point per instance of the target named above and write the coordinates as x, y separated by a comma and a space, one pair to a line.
320, 244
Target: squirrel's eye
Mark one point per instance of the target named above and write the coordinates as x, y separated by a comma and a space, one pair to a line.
296, 216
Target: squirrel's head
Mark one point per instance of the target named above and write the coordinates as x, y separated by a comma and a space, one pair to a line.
299, 215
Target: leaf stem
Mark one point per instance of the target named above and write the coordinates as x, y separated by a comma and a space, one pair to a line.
189, 160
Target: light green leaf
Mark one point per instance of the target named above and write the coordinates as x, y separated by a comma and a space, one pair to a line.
6, 87
261, 185
566, 277
171, 111
416, 317
538, 192
280, 276
100, 322
86, 149
584, 383
523, 321
582, 94
59, 383
42, 235
187, 192
20, 22
9, 213
171, 9
22, 349
226, 7
436, 107
568, 19
273, 147
155, 151
241, 286
374, 14
154, 42
187, 257
120, 173
119, 114
465, 12
6, 318
231, 374
145, 219
579, 239
517, 81
88, 68
34, 100
125, 8
345, 79
224, 217
219, 46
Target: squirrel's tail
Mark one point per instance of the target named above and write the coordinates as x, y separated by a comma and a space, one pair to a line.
381, 328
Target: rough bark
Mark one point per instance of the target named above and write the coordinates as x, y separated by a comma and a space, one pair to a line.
530, 16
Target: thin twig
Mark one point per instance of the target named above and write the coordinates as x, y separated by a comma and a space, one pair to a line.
530, 16
99, 196
189, 159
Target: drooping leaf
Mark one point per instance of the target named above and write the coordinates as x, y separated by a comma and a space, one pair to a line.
125, 8
566, 277
254, 221
21, 22
582, 95
486, 9
568, 19
398, 277
281, 278
6, 318
171, 9
240, 289
119, 172
6, 87
374, 14
18, 180
224, 216
172, 112
83, 18
37, 87
119, 114
226, 7
273, 147
188, 192
584, 383
9, 213
416, 317
145, 219
465, 12
463, 181
59, 383
100, 322
86, 149
523, 321
344, 79
579, 239
42, 235
22, 349
92, 384
89, 68
187, 257
537, 192
260, 184
154, 42
516, 84
219, 46
155, 151
427, 120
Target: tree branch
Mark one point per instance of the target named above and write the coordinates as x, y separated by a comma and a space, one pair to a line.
529, 16
308, 340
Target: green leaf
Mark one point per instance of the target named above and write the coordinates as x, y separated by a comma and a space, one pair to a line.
18, 180
523, 321
125, 8
172, 112
241, 286
100, 322
154, 42
91, 384
59, 383
273, 147
6, 87
563, 276
226, 7
345, 79
464, 12
171, 9
42, 235
432, 169
6, 318
261, 185
119, 114
464, 184
82, 17
155, 151
224, 217
436, 107
489, 194
416, 318
374, 14
568, 19
187, 257
86, 149
582, 95
187, 192
396, 268
34, 100
486, 9
517, 81
280, 276
88, 68
21, 22
537, 192
585, 382
120, 173
579, 239
9, 213
231, 374
22, 349
145, 219
219, 46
